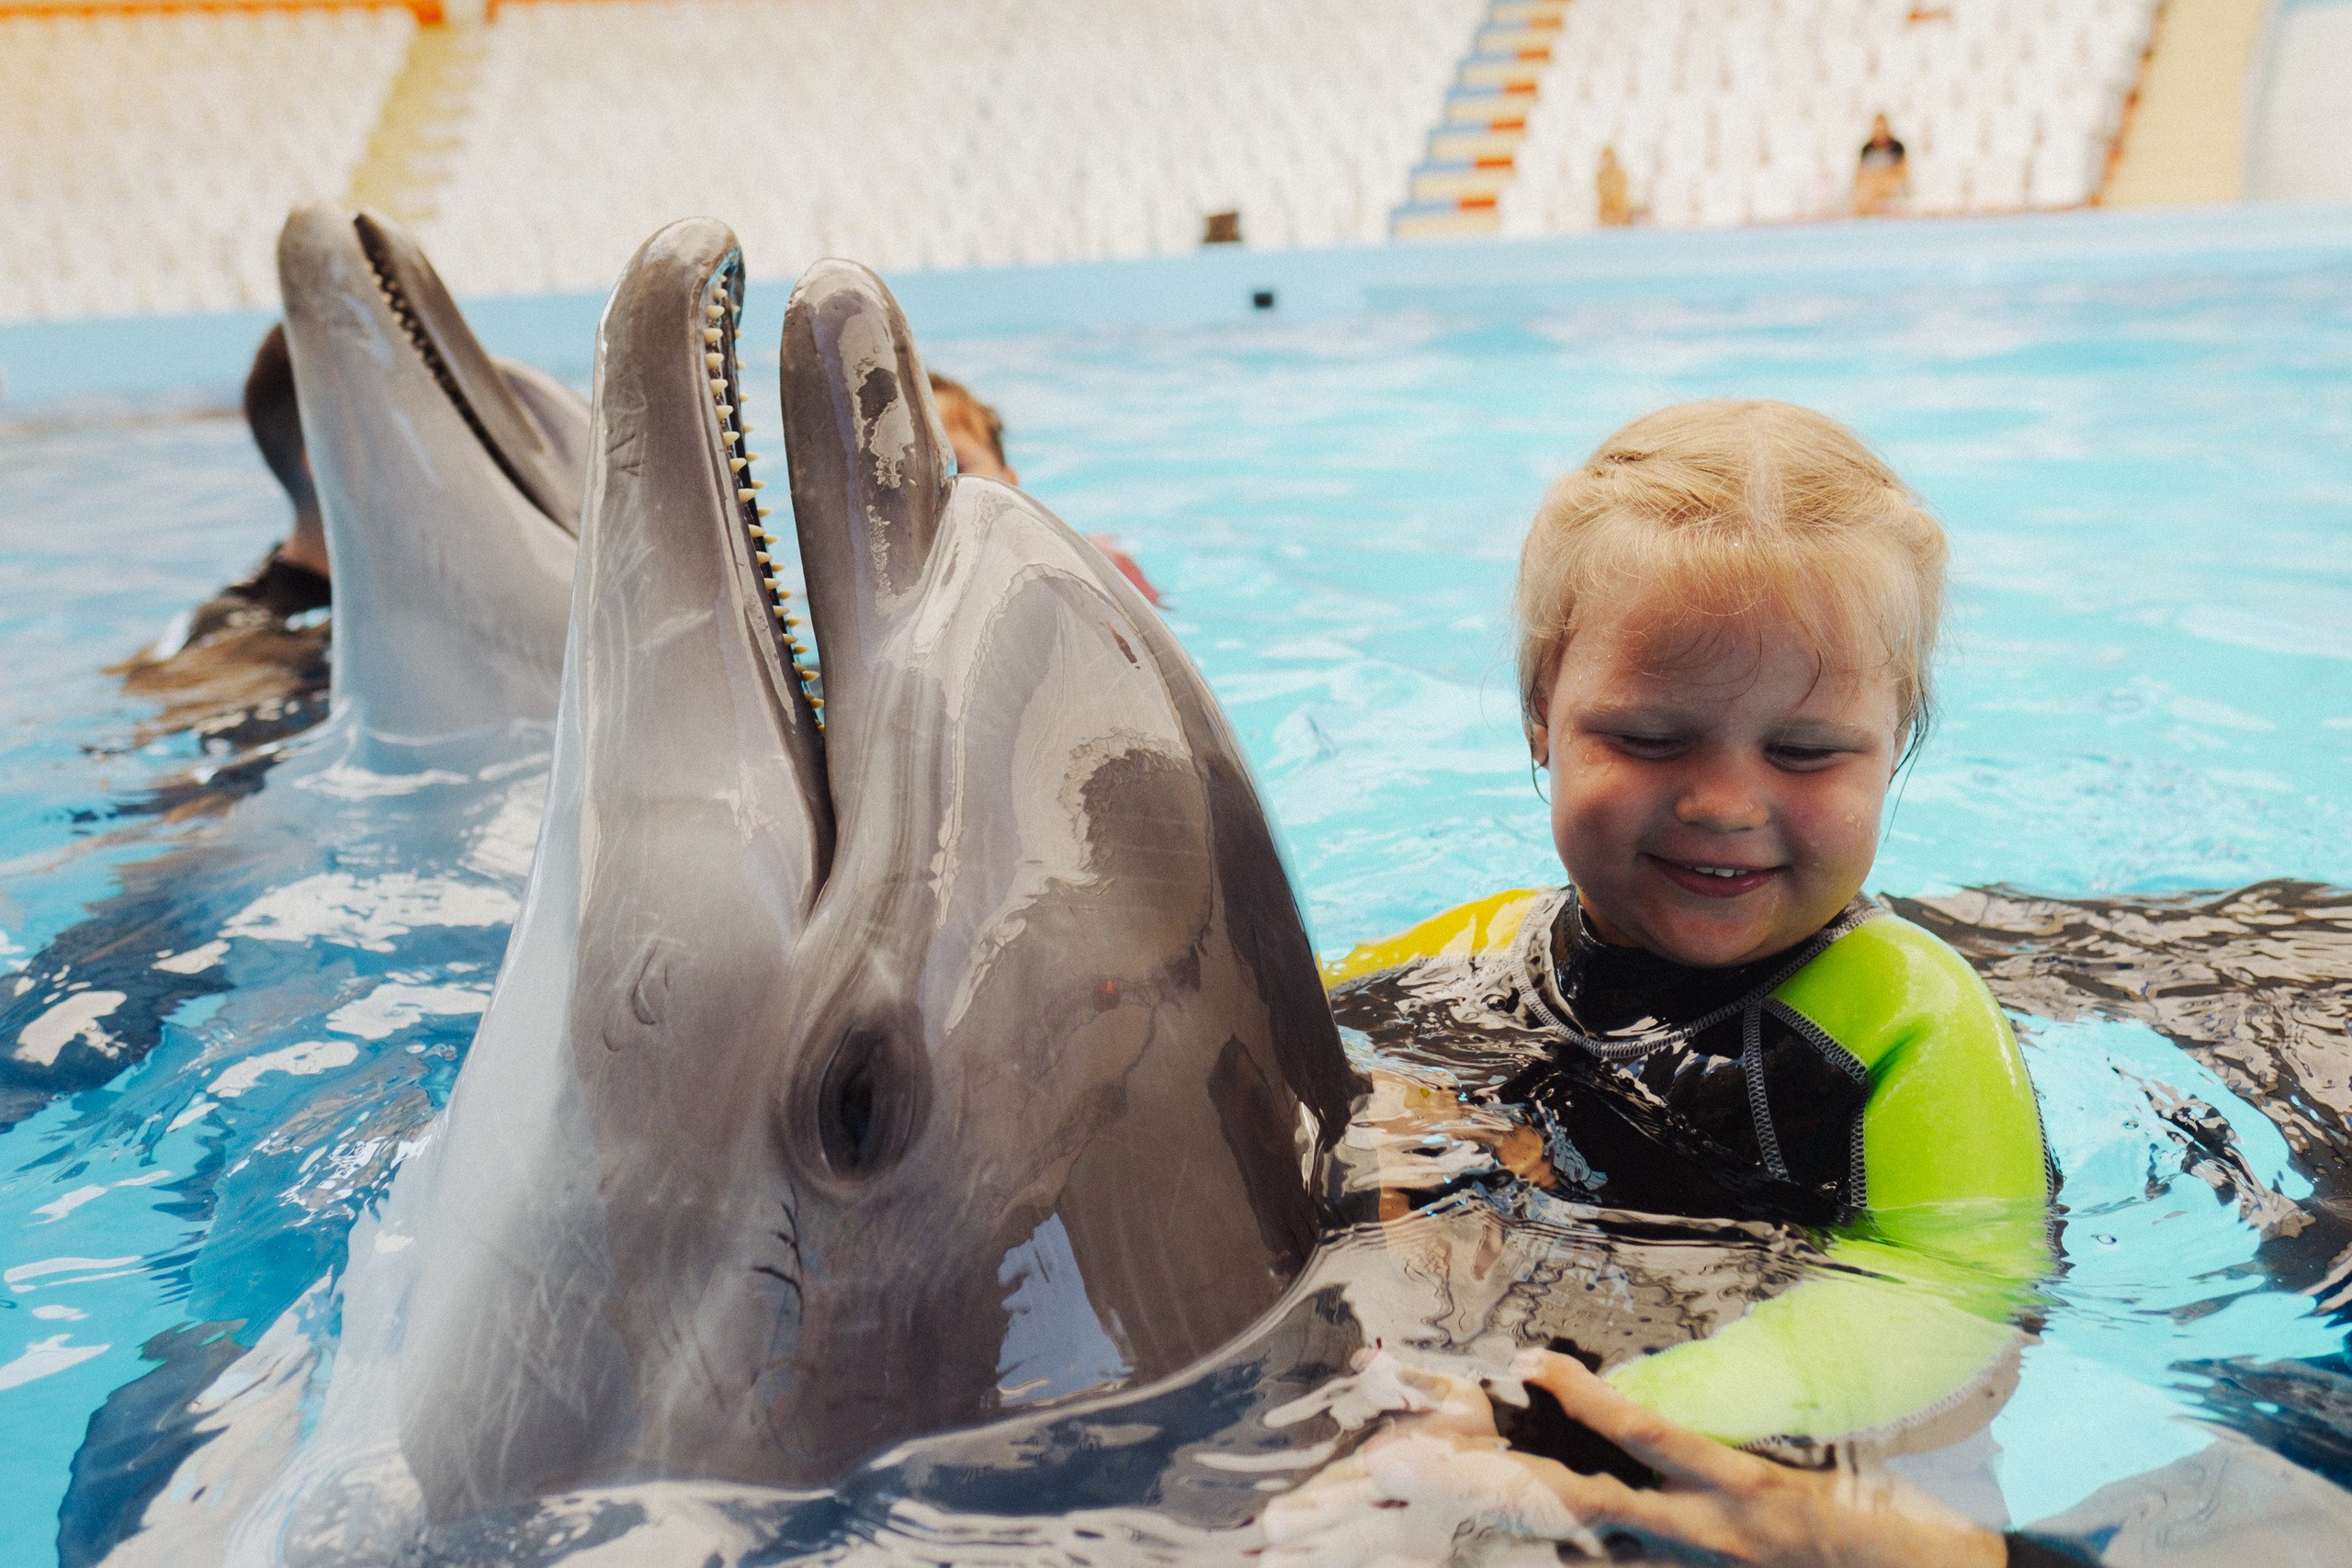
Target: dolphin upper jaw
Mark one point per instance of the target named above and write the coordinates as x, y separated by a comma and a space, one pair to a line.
451, 583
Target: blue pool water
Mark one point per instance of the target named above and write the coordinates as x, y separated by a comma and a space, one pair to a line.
2148, 688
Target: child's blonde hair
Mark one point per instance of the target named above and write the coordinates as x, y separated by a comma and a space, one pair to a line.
1735, 508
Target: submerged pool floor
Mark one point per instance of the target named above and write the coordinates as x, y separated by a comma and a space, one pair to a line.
2147, 690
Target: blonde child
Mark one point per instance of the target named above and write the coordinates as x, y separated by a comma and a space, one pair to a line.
1726, 621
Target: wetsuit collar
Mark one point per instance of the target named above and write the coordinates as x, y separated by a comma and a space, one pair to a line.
1621, 1003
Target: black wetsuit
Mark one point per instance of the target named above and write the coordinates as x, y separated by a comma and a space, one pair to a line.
1685, 1091
276, 592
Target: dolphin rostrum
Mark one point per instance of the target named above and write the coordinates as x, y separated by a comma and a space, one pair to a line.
847, 1083
450, 486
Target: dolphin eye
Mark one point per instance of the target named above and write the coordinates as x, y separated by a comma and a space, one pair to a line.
869, 1101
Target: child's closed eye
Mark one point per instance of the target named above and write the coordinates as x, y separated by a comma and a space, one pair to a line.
1798, 758
1647, 744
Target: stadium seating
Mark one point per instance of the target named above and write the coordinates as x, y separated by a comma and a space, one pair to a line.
1741, 111
146, 161
912, 133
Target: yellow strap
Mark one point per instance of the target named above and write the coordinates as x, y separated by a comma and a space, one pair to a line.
1476, 927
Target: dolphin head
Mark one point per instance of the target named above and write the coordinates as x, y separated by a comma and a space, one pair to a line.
848, 1083
449, 484
1056, 1030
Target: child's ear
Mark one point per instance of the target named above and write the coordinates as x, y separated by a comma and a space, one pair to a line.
1539, 742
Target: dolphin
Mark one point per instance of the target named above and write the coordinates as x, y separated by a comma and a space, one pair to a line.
450, 486
852, 1081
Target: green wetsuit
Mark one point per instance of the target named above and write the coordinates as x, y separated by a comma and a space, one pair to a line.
1866, 1083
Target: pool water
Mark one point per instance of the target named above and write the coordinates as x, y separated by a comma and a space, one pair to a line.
2148, 690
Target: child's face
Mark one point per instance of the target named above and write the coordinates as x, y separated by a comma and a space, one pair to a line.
1716, 793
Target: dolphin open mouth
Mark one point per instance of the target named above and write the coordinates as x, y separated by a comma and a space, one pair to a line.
844, 1088
723, 311
483, 396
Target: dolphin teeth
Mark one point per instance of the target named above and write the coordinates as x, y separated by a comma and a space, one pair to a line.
733, 436
714, 311
712, 361
745, 494
817, 702
761, 557
711, 335
777, 611
766, 510
726, 409
736, 464
716, 383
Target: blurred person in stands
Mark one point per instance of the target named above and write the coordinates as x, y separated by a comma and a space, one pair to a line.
976, 432
1608, 186
249, 664
1881, 176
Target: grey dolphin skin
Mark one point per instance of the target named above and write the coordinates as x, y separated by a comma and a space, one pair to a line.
847, 1084
449, 482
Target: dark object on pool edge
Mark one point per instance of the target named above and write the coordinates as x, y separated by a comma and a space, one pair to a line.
436, 468
980, 965
1221, 228
1263, 299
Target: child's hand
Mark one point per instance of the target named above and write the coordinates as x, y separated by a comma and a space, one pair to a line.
1718, 1505
1404, 1497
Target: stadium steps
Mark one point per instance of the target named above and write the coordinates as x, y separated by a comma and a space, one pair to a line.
2184, 144
1473, 151
422, 128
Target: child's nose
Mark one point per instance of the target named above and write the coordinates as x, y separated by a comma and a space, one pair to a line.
1720, 806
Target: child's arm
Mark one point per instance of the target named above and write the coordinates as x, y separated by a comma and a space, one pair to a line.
1914, 1313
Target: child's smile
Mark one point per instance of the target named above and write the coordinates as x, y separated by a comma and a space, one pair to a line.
1715, 790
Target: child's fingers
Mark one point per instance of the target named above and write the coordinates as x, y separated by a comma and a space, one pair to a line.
1493, 1485
1676, 1453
